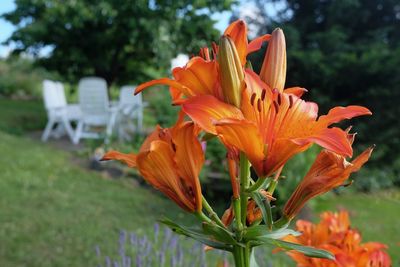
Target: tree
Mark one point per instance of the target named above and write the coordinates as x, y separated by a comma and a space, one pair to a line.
348, 52
119, 40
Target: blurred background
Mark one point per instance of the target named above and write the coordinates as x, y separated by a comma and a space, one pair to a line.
60, 207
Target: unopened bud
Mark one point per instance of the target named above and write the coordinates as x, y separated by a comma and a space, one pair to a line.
231, 71
273, 70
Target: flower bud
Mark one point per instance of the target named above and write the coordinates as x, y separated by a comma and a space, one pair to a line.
231, 71
273, 70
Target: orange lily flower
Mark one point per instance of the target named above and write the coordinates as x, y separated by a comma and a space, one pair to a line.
200, 76
271, 127
329, 170
170, 160
334, 234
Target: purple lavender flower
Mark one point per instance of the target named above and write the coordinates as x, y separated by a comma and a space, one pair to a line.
108, 262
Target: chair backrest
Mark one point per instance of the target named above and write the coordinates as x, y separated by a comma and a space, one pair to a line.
127, 97
53, 95
93, 96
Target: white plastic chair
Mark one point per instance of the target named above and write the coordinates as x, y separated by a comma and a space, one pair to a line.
130, 109
95, 108
58, 112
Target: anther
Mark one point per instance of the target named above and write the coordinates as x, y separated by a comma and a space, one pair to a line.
290, 101
276, 106
279, 99
252, 98
263, 93
259, 105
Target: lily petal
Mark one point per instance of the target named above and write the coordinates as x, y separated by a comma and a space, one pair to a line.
128, 159
158, 168
206, 109
199, 75
245, 136
189, 157
237, 31
297, 91
333, 139
257, 43
338, 114
165, 81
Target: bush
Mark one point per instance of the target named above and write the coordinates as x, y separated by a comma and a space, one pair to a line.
20, 78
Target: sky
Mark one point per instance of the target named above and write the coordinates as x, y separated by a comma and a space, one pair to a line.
5, 28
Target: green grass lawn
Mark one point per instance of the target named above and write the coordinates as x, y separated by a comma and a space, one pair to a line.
21, 116
53, 213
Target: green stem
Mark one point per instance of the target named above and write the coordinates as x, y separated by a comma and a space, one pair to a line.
202, 217
213, 215
244, 183
237, 211
272, 186
241, 255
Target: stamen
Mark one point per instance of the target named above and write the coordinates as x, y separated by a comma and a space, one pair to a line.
253, 97
173, 146
279, 99
259, 105
276, 106
263, 93
290, 101
214, 49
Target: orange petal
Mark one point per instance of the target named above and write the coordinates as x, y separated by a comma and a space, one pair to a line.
199, 75
257, 43
206, 109
165, 81
128, 159
333, 139
297, 91
158, 168
243, 135
338, 114
155, 135
361, 159
237, 31
189, 157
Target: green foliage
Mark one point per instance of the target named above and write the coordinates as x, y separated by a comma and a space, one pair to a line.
160, 106
114, 39
19, 77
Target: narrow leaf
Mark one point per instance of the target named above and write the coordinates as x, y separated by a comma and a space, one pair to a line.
254, 232
265, 208
219, 233
196, 234
308, 251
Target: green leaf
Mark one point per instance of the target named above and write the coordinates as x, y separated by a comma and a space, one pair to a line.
196, 234
264, 206
254, 232
308, 251
219, 233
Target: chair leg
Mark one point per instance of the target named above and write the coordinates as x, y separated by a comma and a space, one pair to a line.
68, 128
78, 133
47, 130
140, 121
